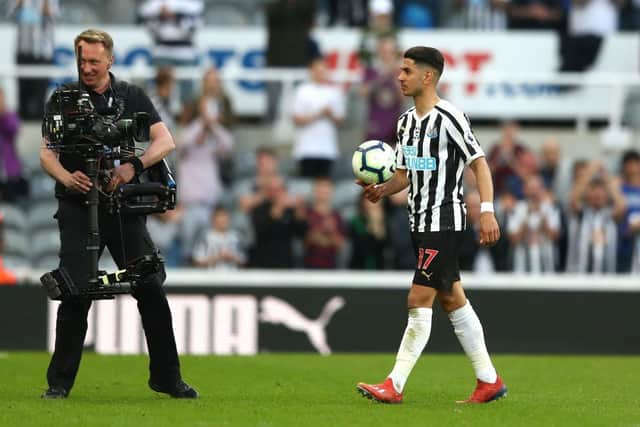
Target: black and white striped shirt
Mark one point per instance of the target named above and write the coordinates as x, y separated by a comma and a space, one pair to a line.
478, 15
173, 35
593, 241
434, 150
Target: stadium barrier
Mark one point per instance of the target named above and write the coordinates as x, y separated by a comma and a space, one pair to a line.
248, 312
616, 84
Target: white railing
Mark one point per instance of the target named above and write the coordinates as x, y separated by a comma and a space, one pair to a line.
619, 84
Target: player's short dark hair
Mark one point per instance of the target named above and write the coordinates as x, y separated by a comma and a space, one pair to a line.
424, 55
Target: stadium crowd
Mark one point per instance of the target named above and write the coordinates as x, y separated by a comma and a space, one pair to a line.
301, 209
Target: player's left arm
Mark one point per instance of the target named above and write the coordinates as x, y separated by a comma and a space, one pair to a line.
489, 229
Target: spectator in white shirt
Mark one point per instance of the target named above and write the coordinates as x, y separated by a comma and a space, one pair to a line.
318, 110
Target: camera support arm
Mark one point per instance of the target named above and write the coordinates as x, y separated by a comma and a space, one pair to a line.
93, 236
59, 285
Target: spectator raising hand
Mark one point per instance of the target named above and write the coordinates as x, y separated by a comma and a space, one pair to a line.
534, 228
277, 222
596, 206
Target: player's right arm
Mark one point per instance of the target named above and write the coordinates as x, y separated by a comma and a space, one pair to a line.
375, 192
77, 180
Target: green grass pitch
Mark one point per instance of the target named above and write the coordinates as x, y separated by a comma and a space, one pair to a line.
311, 390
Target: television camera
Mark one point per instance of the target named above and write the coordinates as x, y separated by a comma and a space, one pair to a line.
72, 125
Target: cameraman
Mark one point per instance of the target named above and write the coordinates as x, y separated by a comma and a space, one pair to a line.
126, 236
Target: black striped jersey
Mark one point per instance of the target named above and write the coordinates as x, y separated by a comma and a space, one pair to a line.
434, 150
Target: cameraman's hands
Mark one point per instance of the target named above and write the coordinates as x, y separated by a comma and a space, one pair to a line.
121, 175
78, 181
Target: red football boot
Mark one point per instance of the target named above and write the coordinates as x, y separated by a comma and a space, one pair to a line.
385, 392
487, 392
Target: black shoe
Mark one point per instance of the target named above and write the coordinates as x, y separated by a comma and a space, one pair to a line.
180, 390
55, 393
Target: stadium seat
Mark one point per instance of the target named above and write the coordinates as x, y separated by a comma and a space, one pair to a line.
347, 212
51, 260
233, 12
300, 187
41, 215
342, 169
288, 166
82, 12
346, 193
242, 187
44, 242
16, 243
244, 164
227, 198
41, 185
13, 262
46, 262
242, 224
13, 217
226, 15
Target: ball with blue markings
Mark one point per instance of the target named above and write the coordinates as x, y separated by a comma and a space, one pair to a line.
373, 162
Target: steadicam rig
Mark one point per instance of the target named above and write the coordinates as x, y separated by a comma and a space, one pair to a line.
73, 126
59, 285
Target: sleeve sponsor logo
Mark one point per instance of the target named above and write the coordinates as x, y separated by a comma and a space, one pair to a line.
470, 138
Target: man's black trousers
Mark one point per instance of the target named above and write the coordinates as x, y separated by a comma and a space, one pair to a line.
128, 233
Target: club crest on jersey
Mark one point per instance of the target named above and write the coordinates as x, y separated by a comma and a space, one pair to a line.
432, 133
416, 135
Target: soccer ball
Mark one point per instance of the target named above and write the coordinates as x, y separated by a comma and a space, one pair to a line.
373, 162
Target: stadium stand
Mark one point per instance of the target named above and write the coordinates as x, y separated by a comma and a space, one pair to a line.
34, 217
